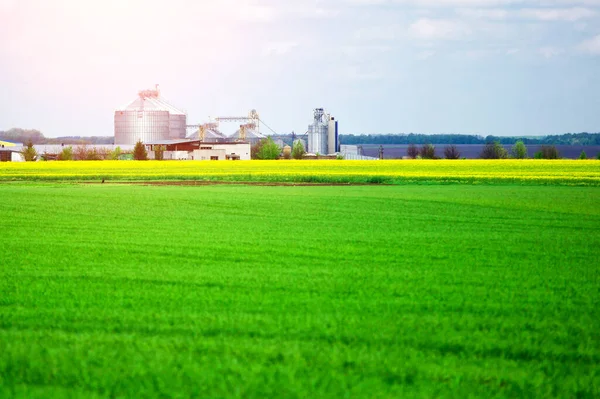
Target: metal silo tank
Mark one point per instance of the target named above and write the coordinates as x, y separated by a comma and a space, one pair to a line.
317, 138
147, 126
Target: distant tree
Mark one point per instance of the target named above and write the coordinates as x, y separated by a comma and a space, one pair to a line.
159, 152
583, 155
114, 154
598, 156
256, 148
29, 153
494, 150
451, 152
139, 152
269, 150
93, 154
81, 153
549, 152
66, 154
519, 151
298, 150
427, 151
412, 151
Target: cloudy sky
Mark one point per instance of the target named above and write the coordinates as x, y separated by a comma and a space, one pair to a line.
502, 67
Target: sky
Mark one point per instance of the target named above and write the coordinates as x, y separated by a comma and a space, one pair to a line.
500, 67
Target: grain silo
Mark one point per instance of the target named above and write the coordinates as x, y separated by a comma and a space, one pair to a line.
149, 118
317, 133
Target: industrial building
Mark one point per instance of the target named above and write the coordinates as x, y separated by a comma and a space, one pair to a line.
149, 118
198, 150
323, 134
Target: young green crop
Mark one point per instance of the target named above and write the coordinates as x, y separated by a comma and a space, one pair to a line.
299, 292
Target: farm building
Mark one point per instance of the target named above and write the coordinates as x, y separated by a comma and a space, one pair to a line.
10, 152
189, 149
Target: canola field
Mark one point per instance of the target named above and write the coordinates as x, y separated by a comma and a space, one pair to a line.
564, 172
438, 290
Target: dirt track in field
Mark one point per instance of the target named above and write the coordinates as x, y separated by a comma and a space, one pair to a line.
214, 183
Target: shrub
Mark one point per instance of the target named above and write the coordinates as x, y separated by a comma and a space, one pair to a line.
139, 152
81, 153
115, 154
549, 152
428, 151
412, 151
66, 154
93, 154
494, 150
519, 151
255, 149
29, 153
451, 152
298, 150
268, 150
159, 152
583, 155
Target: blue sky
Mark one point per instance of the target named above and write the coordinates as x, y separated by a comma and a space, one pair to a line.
501, 67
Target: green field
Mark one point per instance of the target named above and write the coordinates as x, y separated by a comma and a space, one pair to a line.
112, 291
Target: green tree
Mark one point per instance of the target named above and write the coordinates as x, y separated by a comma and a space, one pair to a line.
66, 154
598, 156
494, 150
412, 151
583, 155
139, 152
298, 150
519, 151
159, 152
549, 152
428, 151
268, 150
114, 154
451, 152
29, 153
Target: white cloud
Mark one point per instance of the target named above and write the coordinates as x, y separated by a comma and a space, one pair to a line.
438, 29
379, 33
423, 55
549, 51
590, 46
489, 13
279, 48
557, 14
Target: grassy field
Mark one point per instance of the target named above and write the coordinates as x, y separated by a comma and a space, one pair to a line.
564, 172
110, 291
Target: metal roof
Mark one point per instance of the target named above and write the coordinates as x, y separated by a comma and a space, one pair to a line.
170, 142
210, 134
152, 104
250, 134
151, 100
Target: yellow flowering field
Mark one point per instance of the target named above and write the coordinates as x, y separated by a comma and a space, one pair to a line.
569, 172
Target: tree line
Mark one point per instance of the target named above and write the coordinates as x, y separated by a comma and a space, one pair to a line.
493, 150
18, 135
421, 139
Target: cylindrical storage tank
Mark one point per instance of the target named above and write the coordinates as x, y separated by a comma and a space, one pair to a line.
317, 139
149, 118
332, 139
177, 126
147, 126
